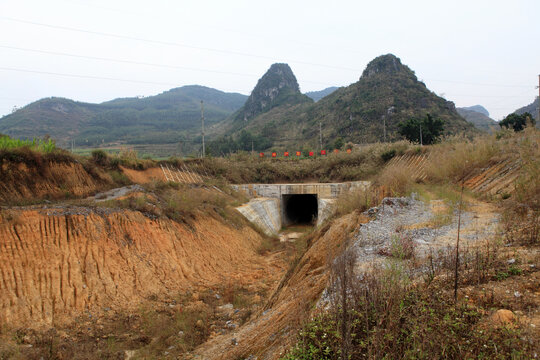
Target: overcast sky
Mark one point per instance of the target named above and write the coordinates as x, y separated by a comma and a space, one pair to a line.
471, 52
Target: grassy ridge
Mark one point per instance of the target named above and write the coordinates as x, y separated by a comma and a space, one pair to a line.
45, 145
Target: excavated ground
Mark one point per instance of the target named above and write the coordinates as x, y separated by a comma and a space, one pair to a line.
271, 332
77, 272
90, 282
81, 277
58, 262
23, 182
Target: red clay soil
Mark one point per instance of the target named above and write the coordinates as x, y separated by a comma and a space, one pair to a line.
51, 180
57, 263
144, 176
270, 333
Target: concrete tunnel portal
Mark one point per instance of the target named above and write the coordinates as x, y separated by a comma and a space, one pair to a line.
274, 206
299, 209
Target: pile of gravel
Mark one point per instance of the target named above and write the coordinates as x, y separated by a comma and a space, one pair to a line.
392, 218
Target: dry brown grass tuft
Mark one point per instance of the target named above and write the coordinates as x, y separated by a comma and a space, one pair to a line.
396, 180
356, 200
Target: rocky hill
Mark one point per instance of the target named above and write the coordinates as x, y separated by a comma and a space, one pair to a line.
162, 118
387, 92
318, 95
478, 108
532, 109
479, 117
277, 87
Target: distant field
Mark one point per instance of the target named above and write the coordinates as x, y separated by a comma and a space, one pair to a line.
155, 151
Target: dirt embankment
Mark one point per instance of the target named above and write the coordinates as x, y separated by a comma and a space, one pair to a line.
144, 176
59, 262
270, 333
48, 180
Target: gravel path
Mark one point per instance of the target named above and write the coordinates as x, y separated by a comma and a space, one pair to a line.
410, 217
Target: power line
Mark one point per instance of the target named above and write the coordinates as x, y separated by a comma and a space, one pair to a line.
121, 60
86, 76
197, 24
170, 43
141, 63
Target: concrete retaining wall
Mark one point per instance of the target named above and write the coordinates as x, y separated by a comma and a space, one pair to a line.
265, 213
322, 190
326, 209
265, 209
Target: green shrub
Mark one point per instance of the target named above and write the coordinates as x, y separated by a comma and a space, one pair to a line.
387, 155
100, 157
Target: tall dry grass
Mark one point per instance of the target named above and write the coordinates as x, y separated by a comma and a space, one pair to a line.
396, 180
521, 215
357, 200
363, 163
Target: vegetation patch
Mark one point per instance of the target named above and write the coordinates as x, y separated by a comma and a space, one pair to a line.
386, 312
42, 145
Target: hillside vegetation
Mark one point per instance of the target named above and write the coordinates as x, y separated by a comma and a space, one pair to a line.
532, 109
387, 93
168, 117
478, 118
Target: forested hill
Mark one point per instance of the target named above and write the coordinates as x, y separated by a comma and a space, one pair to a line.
162, 118
387, 92
479, 117
532, 109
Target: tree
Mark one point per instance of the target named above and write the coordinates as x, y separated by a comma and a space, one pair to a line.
338, 143
428, 128
516, 121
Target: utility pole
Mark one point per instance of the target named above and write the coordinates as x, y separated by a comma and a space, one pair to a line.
202, 128
384, 127
320, 135
421, 144
251, 147
538, 106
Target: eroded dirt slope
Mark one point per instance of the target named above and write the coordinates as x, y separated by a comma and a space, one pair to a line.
272, 331
57, 262
48, 180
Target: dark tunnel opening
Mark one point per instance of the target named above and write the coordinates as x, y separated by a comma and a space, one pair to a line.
300, 209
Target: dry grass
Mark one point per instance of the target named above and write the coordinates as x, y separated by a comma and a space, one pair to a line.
396, 180
522, 209
455, 158
126, 157
361, 164
184, 202
356, 200
406, 310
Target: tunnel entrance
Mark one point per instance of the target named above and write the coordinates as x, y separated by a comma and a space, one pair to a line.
299, 209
